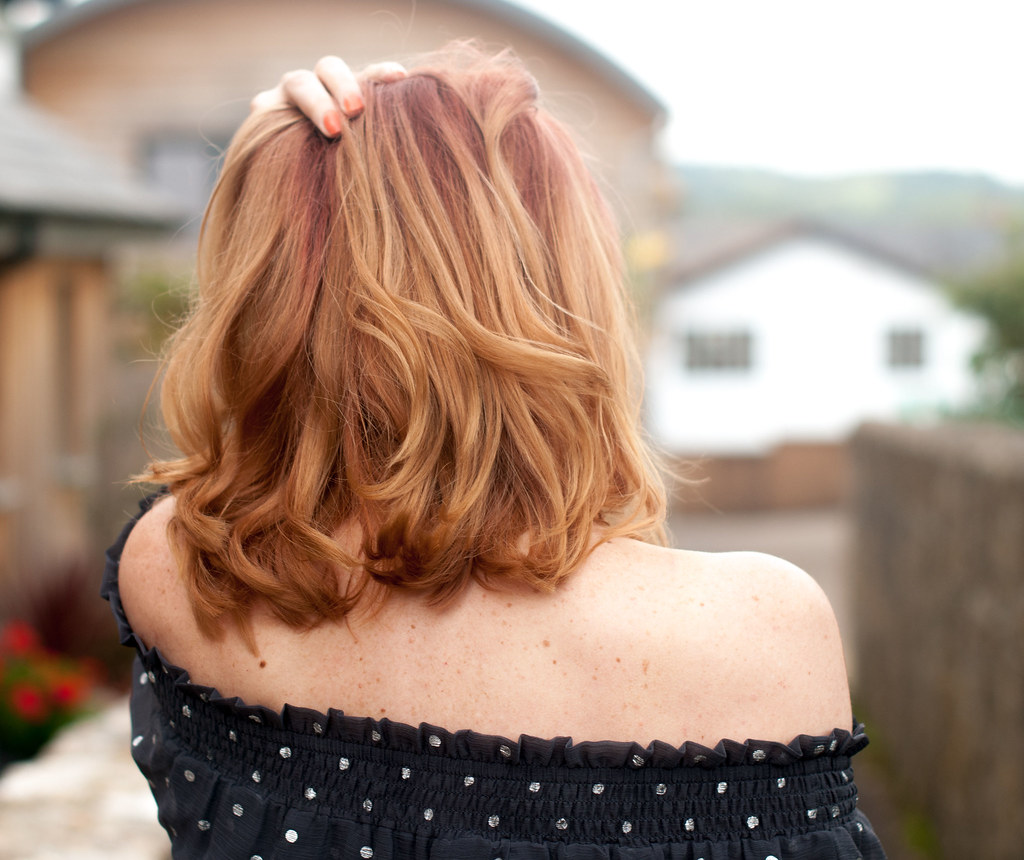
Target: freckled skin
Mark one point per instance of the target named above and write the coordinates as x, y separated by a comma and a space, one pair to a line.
641, 643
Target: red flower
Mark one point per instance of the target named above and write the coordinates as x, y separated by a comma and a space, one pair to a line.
28, 703
68, 691
18, 637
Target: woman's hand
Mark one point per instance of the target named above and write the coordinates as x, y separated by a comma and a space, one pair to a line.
326, 92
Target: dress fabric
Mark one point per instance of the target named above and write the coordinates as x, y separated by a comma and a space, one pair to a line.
234, 780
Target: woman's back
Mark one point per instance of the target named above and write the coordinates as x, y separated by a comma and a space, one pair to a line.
642, 643
404, 600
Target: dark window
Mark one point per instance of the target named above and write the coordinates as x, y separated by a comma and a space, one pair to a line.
721, 350
906, 348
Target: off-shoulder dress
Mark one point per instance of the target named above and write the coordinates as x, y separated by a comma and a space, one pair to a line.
237, 780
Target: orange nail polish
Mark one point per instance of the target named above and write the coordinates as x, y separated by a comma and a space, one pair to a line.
332, 123
352, 105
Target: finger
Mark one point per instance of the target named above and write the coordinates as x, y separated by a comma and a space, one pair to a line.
337, 78
268, 100
385, 73
307, 92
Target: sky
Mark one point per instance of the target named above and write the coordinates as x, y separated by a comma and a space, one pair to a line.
819, 88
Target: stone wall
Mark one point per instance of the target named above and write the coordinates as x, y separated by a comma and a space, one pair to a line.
790, 475
939, 581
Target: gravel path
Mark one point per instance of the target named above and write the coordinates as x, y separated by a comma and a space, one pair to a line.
82, 798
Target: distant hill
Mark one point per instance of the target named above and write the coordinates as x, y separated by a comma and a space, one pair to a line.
924, 198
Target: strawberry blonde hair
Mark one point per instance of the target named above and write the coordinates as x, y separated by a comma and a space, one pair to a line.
417, 329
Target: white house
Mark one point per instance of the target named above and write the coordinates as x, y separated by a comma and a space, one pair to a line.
795, 333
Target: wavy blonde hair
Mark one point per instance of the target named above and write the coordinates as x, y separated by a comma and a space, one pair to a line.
417, 329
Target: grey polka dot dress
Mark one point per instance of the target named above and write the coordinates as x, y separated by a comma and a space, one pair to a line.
233, 780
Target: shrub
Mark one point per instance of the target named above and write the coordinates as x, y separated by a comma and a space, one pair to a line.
40, 690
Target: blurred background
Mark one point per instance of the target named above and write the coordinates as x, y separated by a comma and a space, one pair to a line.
822, 210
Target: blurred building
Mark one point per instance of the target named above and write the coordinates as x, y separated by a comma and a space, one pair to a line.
773, 341
159, 86
62, 211
162, 84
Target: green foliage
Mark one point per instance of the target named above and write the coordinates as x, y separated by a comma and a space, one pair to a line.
920, 835
997, 296
150, 306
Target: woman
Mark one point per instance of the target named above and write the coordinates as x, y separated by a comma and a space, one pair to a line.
412, 487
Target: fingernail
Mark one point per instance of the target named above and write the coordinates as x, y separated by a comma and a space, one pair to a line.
352, 105
332, 123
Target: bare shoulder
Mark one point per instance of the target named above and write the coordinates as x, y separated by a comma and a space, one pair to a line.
751, 639
150, 586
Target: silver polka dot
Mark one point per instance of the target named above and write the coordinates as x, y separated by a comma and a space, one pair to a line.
256, 776
344, 763
860, 827
832, 746
285, 752
434, 741
638, 761
561, 824
534, 787
689, 824
753, 821
318, 729
468, 780
493, 821
846, 776
291, 836
428, 813
771, 857
171, 723
238, 810
722, 787
700, 759
143, 679
812, 814
368, 805
759, 755
406, 773
232, 736
152, 676
186, 711
835, 811
136, 740
660, 788
191, 777
505, 750
597, 788
375, 736
366, 851
204, 824
255, 857
781, 782
310, 793
204, 696
256, 719
819, 749
627, 826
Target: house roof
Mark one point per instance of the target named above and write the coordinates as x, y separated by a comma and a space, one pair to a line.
64, 17
45, 171
707, 244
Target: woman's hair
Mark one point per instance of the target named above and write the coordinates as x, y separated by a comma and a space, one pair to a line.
417, 329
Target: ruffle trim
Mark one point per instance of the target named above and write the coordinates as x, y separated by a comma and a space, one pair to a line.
427, 739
